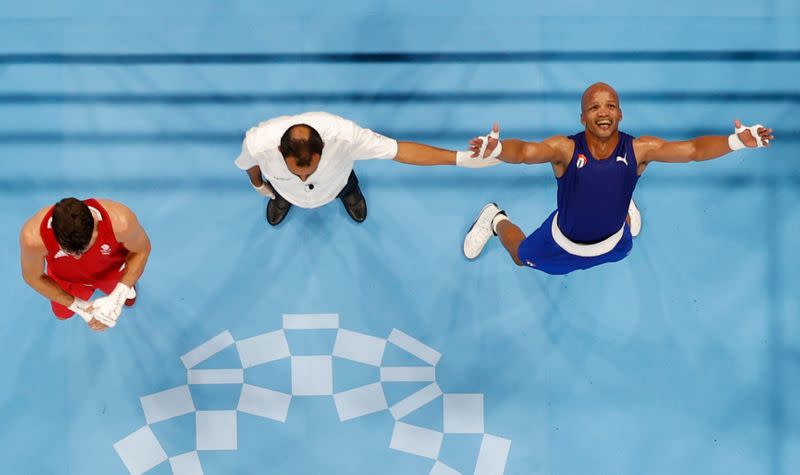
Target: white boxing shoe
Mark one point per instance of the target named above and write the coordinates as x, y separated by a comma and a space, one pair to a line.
481, 231
636, 219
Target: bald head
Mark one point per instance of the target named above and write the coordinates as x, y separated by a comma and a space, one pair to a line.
590, 91
600, 111
301, 147
299, 132
301, 142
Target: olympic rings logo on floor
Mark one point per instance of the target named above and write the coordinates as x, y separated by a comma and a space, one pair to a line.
216, 430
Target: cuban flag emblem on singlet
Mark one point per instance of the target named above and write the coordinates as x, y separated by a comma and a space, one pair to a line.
581, 160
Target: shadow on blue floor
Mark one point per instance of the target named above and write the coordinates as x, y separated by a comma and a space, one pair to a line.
678, 359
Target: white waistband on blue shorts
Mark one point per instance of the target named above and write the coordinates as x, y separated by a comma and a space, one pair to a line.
585, 250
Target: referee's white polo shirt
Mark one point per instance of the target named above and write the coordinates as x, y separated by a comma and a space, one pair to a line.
344, 141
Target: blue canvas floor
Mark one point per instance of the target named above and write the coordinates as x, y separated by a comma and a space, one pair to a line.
682, 358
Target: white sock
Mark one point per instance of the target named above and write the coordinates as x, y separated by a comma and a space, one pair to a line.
496, 220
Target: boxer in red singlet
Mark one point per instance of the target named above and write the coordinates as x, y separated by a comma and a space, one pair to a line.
86, 246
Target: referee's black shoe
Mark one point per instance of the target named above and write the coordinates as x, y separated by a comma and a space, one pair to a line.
355, 204
277, 209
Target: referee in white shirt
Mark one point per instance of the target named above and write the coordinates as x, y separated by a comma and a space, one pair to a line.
307, 160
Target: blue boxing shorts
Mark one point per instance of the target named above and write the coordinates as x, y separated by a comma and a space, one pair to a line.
541, 251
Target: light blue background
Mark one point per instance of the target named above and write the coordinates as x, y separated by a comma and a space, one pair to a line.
683, 358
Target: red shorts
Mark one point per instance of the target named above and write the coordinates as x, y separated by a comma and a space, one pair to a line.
80, 291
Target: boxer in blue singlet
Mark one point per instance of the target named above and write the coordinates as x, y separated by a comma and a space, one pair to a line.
596, 171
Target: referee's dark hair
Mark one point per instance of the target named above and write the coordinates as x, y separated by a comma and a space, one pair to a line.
301, 148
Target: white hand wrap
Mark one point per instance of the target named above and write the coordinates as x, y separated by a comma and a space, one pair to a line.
80, 307
108, 309
735, 143
264, 190
485, 143
466, 160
